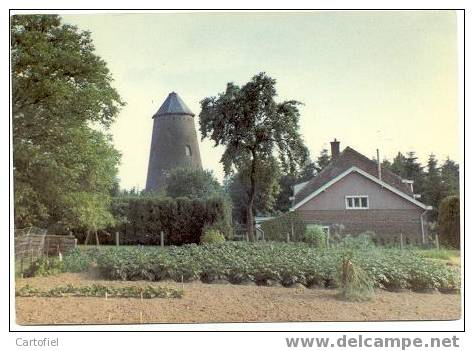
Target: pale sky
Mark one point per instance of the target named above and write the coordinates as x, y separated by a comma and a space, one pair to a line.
384, 80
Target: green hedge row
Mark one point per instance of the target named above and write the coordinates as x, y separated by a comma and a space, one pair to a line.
182, 219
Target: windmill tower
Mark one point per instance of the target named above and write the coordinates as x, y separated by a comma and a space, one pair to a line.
173, 143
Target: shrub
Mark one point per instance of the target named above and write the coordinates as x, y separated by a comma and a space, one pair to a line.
449, 224
314, 235
181, 219
44, 266
212, 236
278, 228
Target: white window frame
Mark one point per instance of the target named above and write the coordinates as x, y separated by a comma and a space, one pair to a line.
187, 150
359, 197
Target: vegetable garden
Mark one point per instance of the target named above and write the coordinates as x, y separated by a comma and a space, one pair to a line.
268, 264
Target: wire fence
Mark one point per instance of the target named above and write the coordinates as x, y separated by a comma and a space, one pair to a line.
33, 243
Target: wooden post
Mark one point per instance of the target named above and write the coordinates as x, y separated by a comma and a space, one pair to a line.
162, 239
401, 241
117, 239
437, 241
96, 238
287, 237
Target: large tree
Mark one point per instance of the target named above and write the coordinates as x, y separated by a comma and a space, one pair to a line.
266, 192
323, 160
450, 177
253, 126
432, 191
60, 90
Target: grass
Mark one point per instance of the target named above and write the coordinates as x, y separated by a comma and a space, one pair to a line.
452, 257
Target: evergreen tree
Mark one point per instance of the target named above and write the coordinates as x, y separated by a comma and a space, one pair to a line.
323, 160
414, 171
432, 191
450, 177
399, 165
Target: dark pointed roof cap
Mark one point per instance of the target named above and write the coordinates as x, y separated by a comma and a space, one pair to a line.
174, 105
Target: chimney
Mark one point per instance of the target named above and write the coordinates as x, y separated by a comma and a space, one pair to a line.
334, 148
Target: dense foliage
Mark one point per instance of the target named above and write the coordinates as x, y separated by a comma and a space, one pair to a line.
266, 189
212, 236
64, 170
192, 182
253, 127
272, 263
182, 219
449, 222
278, 228
314, 235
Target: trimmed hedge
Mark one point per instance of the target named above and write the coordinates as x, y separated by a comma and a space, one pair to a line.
182, 219
276, 229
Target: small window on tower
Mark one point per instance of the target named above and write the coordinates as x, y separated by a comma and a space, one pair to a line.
188, 150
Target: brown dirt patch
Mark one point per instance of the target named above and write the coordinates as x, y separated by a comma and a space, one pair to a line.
225, 303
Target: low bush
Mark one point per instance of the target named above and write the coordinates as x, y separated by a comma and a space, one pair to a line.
212, 236
44, 266
315, 235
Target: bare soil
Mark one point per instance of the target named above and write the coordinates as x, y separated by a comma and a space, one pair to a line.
225, 303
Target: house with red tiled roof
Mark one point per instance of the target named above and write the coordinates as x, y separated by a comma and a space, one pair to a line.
356, 194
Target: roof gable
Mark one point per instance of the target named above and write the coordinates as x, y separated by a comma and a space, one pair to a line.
350, 158
368, 176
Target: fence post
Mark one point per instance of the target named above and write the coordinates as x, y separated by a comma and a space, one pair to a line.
117, 239
162, 239
437, 241
288, 237
401, 241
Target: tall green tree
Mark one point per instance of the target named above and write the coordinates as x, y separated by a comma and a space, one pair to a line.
398, 165
450, 177
60, 88
323, 160
252, 126
414, 171
432, 191
192, 183
266, 192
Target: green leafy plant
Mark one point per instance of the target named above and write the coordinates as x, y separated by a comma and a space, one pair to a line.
98, 290
212, 236
315, 235
44, 266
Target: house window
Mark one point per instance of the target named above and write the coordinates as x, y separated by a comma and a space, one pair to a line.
188, 150
357, 202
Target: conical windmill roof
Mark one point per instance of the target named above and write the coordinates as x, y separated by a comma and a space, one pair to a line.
174, 105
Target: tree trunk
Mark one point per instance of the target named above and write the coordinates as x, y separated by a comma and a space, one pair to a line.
87, 238
251, 200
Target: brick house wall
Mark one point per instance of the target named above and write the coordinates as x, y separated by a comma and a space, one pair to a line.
388, 215
387, 224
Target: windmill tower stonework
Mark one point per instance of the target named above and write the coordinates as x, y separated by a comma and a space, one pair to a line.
173, 143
